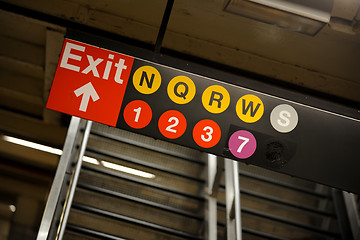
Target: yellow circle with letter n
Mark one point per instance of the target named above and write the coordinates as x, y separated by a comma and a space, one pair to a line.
147, 79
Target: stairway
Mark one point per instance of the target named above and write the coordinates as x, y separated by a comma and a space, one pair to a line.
136, 187
113, 204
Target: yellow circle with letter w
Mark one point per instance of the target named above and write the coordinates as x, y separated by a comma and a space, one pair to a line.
249, 108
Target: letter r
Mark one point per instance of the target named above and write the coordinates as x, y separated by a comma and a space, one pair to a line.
216, 96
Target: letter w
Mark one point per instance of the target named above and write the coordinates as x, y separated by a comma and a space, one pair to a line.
148, 82
250, 106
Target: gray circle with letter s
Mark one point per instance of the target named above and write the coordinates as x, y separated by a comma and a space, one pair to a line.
284, 118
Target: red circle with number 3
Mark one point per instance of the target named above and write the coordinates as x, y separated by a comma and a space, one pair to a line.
172, 124
137, 114
206, 133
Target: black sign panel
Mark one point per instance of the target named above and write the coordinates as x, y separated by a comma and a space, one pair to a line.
247, 125
240, 124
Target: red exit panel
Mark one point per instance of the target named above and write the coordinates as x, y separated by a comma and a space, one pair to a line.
90, 82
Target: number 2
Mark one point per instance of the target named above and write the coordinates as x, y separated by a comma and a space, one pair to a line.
170, 127
242, 145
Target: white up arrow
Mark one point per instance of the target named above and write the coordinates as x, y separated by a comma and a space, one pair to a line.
87, 91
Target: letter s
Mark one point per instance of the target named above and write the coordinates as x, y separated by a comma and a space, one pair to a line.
284, 115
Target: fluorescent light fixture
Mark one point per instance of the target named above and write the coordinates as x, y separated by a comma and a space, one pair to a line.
304, 16
44, 148
132, 171
87, 159
91, 160
33, 145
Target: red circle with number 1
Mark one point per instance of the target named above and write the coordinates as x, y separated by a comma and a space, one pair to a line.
206, 133
137, 114
172, 124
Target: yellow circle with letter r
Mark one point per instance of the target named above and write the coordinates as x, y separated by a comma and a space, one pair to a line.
181, 89
216, 99
147, 79
249, 108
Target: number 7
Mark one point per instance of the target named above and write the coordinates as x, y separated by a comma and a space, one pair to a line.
242, 145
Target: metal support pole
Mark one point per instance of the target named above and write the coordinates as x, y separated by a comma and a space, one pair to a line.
163, 25
215, 169
74, 182
353, 215
211, 200
341, 213
322, 205
237, 200
233, 211
56, 186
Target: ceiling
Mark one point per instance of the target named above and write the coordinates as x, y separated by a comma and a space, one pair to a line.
327, 64
32, 32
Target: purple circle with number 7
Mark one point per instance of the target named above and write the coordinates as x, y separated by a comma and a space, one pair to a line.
242, 144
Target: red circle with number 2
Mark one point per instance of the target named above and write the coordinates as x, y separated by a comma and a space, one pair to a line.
172, 124
206, 133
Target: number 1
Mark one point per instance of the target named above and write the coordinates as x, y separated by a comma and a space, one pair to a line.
137, 110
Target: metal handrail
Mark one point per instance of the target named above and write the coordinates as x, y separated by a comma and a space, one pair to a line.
73, 183
58, 181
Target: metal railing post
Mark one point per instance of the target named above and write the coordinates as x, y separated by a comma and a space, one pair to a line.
353, 214
215, 168
233, 211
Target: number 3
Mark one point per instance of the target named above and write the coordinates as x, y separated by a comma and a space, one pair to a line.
208, 134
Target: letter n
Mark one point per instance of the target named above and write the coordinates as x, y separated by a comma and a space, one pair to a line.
148, 82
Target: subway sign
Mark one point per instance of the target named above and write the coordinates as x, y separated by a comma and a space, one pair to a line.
163, 102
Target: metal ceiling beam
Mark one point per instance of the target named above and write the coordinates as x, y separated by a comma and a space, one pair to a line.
163, 25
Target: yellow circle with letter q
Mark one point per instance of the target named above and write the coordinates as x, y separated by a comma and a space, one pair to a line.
147, 79
216, 99
181, 89
249, 108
